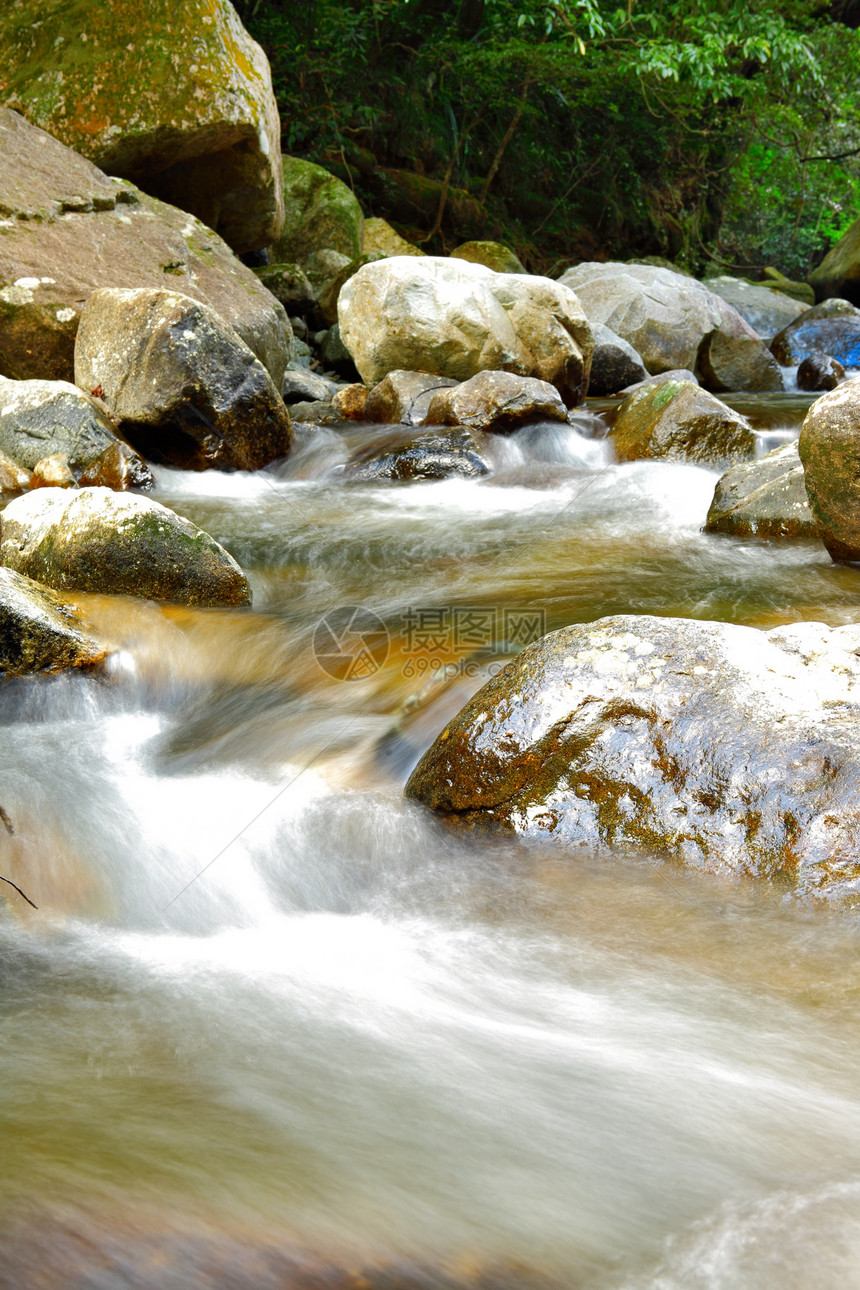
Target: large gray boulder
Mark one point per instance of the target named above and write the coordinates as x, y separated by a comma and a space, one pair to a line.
67, 229
454, 318
763, 499
40, 418
184, 387
40, 631
830, 451
732, 750
766, 311
176, 97
679, 421
117, 543
672, 321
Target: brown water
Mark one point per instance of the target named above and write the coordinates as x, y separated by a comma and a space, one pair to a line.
271, 1025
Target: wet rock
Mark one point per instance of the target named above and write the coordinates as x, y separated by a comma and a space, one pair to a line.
830, 451
819, 372
291, 285
41, 418
186, 110
350, 401
766, 311
13, 477
94, 539
672, 321
304, 385
615, 364
679, 421
497, 402
763, 499
184, 387
320, 212
493, 255
41, 632
729, 749
52, 257
452, 318
380, 236
831, 328
120, 468
404, 397
53, 472
455, 454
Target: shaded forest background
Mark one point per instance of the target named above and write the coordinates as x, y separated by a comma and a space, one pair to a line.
720, 134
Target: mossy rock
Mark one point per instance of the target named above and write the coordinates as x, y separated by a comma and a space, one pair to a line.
493, 255
40, 631
320, 212
380, 236
763, 499
679, 421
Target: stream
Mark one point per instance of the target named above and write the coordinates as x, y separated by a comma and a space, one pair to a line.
274, 1026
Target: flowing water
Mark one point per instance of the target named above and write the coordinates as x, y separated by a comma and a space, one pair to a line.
272, 1025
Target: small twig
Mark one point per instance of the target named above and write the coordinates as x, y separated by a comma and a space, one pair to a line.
19, 891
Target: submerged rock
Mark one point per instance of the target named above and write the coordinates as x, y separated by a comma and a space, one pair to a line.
729, 749
184, 388
94, 539
66, 229
830, 451
764, 499
497, 402
445, 455
41, 418
177, 98
453, 318
679, 421
40, 632
831, 328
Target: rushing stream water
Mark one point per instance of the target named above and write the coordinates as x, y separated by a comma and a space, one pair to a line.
272, 1025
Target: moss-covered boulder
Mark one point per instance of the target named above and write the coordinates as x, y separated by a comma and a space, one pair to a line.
320, 213
830, 452
67, 229
40, 631
380, 236
838, 274
94, 539
183, 387
41, 418
494, 255
176, 97
725, 748
679, 421
763, 499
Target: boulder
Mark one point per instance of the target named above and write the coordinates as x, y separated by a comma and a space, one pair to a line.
177, 98
322, 266
453, 318
94, 539
763, 499
615, 365
41, 632
120, 468
437, 455
290, 285
41, 418
777, 281
67, 229
838, 274
327, 297
53, 472
13, 478
184, 388
767, 311
819, 372
830, 451
497, 402
403, 397
380, 236
350, 401
729, 749
299, 386
672, 321
676, 374
494, 255
679, 421
321, 212
831, 328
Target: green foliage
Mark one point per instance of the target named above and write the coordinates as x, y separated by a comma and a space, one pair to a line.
684, 128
